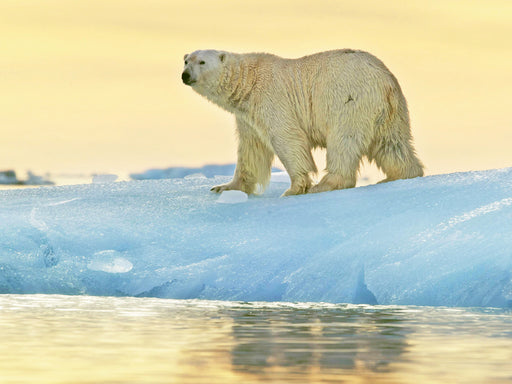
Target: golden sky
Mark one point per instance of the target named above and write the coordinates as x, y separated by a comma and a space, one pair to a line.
94, 85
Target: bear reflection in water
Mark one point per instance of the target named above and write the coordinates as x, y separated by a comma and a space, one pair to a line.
362, 338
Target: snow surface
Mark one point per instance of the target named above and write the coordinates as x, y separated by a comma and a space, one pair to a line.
438, 240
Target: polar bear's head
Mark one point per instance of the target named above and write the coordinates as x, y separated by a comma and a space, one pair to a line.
202, 67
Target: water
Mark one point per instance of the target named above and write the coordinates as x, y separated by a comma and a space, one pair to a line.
85, 339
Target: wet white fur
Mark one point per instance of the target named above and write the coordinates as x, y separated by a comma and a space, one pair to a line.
345, 101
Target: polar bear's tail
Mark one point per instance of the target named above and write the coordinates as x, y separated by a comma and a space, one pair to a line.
393, 150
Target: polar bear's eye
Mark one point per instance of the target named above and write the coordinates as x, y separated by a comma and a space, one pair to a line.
186, 62
202, 62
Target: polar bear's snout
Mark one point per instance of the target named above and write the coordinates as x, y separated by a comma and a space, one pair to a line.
187, 79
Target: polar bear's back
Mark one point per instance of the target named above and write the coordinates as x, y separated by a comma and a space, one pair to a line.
323, 86
344, 70
338, 61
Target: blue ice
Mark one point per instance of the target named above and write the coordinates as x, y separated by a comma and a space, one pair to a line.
442, 240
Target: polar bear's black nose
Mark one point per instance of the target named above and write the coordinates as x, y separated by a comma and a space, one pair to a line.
185, 76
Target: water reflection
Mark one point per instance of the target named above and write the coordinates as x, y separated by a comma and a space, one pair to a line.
342, 338
84, 339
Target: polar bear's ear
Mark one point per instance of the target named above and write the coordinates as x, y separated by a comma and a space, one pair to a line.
222, 56
185, 57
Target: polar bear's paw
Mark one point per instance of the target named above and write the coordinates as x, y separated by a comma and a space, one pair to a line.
222, 187
299, 186
332, 182
234, 185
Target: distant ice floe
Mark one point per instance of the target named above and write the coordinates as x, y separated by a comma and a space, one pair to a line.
180, 172
210, 170
104, 178
9, 177
280, 177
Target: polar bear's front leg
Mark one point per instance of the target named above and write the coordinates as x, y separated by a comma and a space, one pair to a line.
254, 162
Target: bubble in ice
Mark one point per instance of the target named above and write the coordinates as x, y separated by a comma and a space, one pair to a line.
109, 261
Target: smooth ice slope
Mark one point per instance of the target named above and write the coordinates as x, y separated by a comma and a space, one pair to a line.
439, 240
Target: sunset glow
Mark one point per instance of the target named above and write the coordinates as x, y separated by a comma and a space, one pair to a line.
95, 85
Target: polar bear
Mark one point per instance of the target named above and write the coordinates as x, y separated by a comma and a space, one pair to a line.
346, 101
